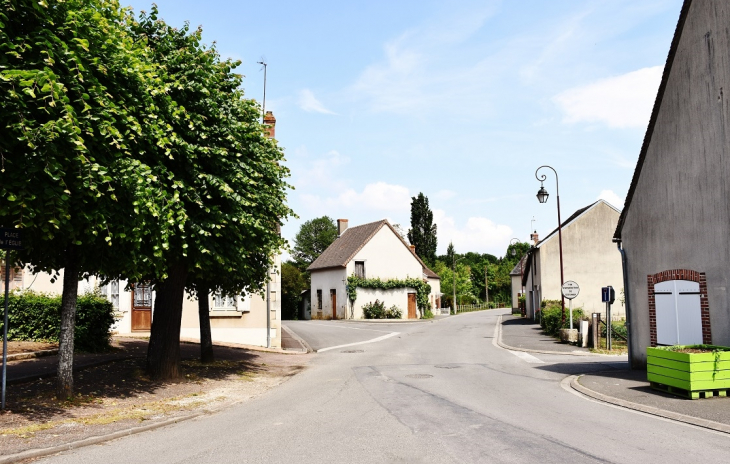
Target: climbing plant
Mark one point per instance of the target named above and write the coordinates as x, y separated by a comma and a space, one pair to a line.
422, 288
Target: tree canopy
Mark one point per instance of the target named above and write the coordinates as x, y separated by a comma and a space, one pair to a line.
314, 236
422, 233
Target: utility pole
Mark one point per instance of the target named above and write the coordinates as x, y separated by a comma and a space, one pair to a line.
486, 284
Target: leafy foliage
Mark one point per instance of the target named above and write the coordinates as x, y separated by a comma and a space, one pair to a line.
551, 318
313, 238
464, 287
376, 310
293, 283
422, 288
422, 233
37, 316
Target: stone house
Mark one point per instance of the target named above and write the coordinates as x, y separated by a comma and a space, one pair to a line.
589, 258
676, 221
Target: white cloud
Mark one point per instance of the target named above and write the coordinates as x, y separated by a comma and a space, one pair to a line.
444, 194
309, 103
479, 234
611, 197
621, 101
320, 172
376, 197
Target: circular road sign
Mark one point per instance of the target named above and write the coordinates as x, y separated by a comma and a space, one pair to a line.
570, 289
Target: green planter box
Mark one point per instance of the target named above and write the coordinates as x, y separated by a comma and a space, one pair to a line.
689, 374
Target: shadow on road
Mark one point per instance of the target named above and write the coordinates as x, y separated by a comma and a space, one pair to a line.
613, 369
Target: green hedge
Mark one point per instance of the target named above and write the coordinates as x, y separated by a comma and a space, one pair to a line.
551, 316
37, 316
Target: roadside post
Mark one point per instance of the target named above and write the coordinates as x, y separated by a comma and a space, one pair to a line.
10, 239
608, 296
570, 290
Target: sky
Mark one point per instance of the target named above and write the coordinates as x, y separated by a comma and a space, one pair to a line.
376, 101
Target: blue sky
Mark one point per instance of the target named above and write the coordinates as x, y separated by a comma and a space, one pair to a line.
377, 101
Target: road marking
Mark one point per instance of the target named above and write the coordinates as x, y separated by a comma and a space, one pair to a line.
338, 326
373, 340
527, 357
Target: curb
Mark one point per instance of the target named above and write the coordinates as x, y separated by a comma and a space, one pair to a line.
675, 416
529, 350
31, 355
300, 340
37, 453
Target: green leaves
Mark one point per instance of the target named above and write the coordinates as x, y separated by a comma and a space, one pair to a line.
422, 288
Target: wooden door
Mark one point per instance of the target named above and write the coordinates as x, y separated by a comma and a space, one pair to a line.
141, 307
333, 296
412, 306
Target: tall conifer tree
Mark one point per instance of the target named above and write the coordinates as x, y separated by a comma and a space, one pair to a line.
422, 233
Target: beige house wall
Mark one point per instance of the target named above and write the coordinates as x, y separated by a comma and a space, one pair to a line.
590, 258
244, 327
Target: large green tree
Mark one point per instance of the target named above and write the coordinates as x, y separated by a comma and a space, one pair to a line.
422, 233
293, 282
226, 175
76, 113
314, 236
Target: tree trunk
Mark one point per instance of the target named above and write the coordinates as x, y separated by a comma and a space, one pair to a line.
163, 353
206, 340
65, 377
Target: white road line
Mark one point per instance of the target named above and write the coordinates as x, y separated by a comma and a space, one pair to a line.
391, 334
527, 357
342, 326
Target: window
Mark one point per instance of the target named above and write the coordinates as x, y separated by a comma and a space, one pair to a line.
111, 291
360, 269
224, 303
319, 299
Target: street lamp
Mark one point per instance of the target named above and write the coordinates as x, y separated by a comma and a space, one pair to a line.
454, 265
542, 197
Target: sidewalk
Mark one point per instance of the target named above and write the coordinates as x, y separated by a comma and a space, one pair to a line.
522, 334
619, 386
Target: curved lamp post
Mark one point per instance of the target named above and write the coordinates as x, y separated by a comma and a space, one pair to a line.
542, 197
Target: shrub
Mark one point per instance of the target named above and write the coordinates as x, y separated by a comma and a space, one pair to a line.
37, 316
618, 331
427, 314
394, 312
374, 310
551, 316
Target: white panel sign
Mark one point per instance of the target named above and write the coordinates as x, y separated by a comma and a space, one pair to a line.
570, 289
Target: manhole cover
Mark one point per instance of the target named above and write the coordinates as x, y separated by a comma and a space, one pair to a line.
447, 366
419, 376
353, 351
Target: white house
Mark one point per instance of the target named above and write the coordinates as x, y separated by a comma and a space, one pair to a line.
516, 280
373, 250
589, 258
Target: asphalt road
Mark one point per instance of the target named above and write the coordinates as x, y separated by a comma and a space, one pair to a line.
440, 392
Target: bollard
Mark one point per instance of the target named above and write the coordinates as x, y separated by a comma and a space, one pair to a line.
584, 334
596, 322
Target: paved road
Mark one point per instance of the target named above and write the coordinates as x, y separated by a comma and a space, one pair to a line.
436, 393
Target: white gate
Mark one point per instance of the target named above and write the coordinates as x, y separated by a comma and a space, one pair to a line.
678, 314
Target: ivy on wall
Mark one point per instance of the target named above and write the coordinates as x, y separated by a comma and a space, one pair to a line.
422, 288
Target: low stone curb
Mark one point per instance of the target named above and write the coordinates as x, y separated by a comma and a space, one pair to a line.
300, 340
31, 355
36, 453
708, 424
529, 350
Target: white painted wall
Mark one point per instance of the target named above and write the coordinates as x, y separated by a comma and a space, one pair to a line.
326, 280
395, 296
387, 257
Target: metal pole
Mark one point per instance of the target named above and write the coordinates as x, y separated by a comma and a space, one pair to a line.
268, 312
560, 231
454, 300
570, 308
5, 327
263, 115
608, 326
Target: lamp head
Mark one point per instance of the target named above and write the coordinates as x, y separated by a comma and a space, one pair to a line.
542, 194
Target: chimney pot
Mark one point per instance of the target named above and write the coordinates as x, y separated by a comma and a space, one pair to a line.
341, 226
412, 247
270, 124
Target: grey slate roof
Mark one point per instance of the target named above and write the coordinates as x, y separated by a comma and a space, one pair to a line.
520, 266
654, 115
345, 247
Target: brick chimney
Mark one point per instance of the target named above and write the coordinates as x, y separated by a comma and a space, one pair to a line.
533, 237
412, 247
270, 123
341, 226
